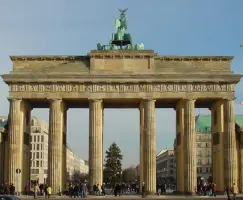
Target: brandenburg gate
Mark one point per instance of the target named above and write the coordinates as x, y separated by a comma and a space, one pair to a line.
124, 78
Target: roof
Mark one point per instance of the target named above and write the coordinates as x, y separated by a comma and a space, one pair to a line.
203, 123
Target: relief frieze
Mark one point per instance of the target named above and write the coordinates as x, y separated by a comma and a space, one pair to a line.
122, 87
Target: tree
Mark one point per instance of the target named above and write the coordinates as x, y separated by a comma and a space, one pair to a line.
129, 175
113, 164
78, 177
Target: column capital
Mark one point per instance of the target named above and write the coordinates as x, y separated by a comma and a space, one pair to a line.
190, 99
148, 99
54, 99
229, 98
95, 100
14, 99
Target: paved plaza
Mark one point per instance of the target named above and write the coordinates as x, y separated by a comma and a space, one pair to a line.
171, 197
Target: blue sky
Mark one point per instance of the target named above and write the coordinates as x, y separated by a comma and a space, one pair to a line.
170, 27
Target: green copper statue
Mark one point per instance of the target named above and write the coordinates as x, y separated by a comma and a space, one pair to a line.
121, 39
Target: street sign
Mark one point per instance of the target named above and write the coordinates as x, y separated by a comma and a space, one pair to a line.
18, 171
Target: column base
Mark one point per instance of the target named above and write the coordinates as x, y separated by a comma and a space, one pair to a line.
186, 193
151, 193
190, 193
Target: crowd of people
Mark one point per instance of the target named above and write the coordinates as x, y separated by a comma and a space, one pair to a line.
8, 189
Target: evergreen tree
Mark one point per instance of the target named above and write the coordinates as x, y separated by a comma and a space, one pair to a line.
113, 164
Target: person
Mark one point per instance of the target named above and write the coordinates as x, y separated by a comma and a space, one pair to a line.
234, 191
48, 192
36, 189
143, 190
227, 190
214, 189
26, 189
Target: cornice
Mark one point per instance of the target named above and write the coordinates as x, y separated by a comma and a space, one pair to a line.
123, 54
194, 58
189, 78
48, 58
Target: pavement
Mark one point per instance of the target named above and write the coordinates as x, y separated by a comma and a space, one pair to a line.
133, 197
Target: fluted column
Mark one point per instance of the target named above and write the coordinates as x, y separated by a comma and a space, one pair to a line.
95, 142
55, 147
217, 130
64, 160
180, 146
230, 144
141, 166
15, 143
2, 157
190, 172
149, 146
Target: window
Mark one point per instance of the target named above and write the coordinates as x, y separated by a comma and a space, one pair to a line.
199, 161
38, 147
206, 144
198, 144
208, 161
42, 138
37, 163
41, 163
34, 138
37, 155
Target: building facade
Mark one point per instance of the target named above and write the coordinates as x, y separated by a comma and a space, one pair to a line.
39, 153
3, 137
203, 146
165, 167
75, 164
39, 150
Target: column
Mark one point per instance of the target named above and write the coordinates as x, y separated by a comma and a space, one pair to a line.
95, 142
217, 130
55, 146
190, 173
180, 146
2, 151
240, 165
141, 166
26, 144
230, 162
149, 146
64, 157
15, 144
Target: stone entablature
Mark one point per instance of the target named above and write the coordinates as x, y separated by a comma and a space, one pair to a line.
122, 87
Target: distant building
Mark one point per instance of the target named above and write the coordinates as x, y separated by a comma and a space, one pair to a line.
75, 164
165, 167
203, 144
39, 150
3, 136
